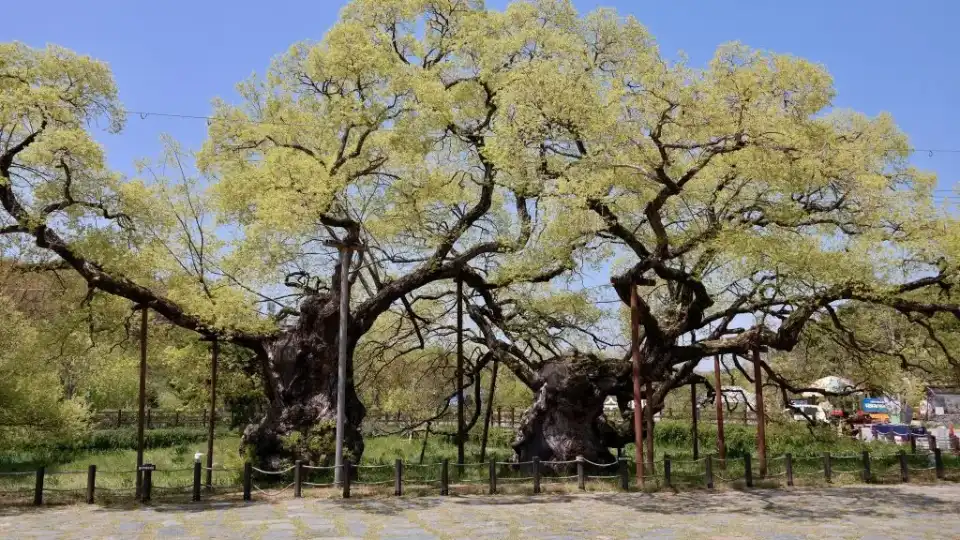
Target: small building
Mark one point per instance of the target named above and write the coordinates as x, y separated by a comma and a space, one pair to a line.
942, 405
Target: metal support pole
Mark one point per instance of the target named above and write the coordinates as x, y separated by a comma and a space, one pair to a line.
460, 420
637, 407
694, 412
721, 443
142, 398
339, 469
761, 416
214, 360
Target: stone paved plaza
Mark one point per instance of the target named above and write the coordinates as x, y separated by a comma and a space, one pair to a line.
842, 512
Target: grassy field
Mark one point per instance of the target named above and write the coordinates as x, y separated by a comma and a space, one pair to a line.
67, 468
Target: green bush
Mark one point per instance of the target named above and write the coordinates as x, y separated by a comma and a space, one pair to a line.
126, 439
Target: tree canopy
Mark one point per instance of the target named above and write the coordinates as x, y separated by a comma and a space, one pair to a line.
517, 151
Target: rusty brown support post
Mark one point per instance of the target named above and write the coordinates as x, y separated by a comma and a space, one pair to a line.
721, 443
214, 360
637, 406
649, 413
761, 416
460, 421
142, 398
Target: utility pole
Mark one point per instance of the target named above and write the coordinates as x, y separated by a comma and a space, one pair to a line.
142, 398
346, 253
637, 407
761, 417
214, 359
460, 422
721, 444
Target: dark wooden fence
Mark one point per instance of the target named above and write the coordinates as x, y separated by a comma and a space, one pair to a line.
157, 418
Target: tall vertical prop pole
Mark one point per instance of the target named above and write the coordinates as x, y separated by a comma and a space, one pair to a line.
342, 363
460, 434
142, 398
489, 417
761, 417
649, 411
637, 408
721, 444
214, 359
695, 413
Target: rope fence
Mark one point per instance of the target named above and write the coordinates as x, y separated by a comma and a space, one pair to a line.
444, 478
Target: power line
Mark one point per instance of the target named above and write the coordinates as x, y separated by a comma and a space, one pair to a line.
146, 114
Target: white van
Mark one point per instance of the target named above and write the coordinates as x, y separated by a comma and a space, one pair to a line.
812, 411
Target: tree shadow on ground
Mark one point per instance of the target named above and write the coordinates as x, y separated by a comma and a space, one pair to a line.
801, 504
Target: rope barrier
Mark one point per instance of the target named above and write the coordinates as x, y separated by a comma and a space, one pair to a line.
600, 464
51, 473
514, 463
261, 471
372, 483
18, 473
317, 485
373, 467
556, 462
275, 492
331, 467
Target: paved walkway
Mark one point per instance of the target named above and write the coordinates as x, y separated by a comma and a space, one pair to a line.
843, 512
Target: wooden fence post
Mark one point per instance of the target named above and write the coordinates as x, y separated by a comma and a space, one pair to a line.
119, 418
445, 477
913, 443
91, 483
147, 482
866, 466
788, 464
348, 471
398, 477
932, 442
247, 480
938, 463
666, 470
176, 419
298, 479
536, 475
513, 418
708, 464
904, 469
826, 466
581, 477
748, 470
499, 417
493, 477
38, 487
149, 422
197, 474
624, 474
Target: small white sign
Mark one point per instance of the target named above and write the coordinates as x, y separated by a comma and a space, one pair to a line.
938, 411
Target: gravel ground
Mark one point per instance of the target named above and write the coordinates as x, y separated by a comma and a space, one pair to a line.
908, 511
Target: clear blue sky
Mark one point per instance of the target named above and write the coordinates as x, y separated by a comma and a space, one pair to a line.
175, 56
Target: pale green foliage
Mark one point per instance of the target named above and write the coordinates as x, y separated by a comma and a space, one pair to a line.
32, 403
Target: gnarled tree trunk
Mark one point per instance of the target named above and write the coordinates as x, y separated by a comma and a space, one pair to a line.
299, 373
566, 419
